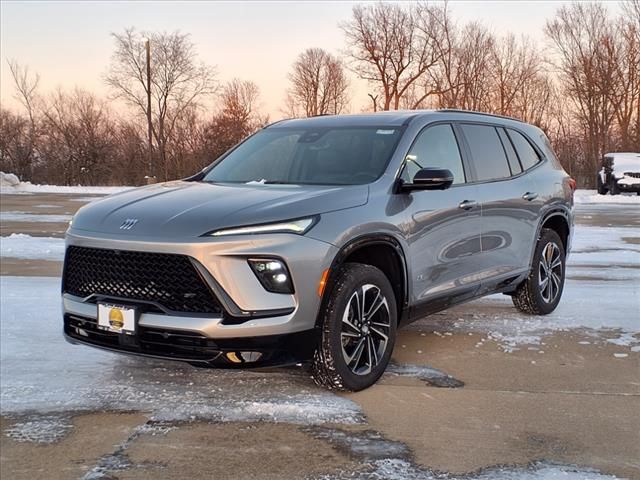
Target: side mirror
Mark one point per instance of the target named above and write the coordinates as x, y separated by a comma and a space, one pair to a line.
429, 179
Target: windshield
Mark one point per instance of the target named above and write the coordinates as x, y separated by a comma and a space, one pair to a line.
318, 156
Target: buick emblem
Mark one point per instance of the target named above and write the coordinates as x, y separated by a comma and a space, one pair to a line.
128, 224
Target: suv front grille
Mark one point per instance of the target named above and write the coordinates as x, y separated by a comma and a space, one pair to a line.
168, 280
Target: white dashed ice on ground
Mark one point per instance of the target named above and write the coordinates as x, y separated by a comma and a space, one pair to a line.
40, 429
33, 217
19, 245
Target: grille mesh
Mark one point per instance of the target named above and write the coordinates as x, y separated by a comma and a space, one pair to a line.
170, 280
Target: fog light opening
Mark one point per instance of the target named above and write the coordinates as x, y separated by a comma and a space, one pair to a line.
243, 357
272, 274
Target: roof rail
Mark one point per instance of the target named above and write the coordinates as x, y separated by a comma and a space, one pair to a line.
460, 110
276, 122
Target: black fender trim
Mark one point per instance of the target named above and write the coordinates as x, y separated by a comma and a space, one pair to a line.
365, 241
553, 212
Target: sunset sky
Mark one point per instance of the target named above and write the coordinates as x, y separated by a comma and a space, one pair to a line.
69, 43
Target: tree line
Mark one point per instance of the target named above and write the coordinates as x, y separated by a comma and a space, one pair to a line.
582, 87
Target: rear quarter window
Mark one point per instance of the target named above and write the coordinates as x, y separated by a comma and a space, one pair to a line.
527, 154
511, 153
488, 155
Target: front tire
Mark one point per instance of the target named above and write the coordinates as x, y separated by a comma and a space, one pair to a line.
359, 321
540, 293
602, 189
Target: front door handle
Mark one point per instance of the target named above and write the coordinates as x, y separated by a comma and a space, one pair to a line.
468, 204
529, 196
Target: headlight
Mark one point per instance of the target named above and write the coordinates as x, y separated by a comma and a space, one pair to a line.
272, 274
299, 227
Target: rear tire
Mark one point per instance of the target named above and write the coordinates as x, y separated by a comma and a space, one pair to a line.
540, 293
614, 189
358, 322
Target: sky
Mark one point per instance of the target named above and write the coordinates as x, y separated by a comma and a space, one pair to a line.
69, 43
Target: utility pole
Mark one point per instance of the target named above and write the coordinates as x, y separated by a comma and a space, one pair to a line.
150, 176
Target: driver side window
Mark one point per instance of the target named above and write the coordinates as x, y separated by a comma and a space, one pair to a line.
435, 147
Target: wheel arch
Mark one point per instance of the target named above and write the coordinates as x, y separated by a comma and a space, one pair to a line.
559, 220
374, 249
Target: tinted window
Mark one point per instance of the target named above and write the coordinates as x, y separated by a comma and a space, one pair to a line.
327, 156
528, 156
511, 153
435, 147
488, 155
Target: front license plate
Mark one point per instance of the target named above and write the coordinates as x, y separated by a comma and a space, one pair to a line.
117, 318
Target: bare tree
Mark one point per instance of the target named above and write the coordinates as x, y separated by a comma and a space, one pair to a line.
178, 81
79, 138
239, 100
26, 93
318, 85
625, 91
393, 47
583, 37
515, 66
237, 118
465, 77
631, 11
15, 146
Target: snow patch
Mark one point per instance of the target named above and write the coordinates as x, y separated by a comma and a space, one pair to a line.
10, 184
19, 245
40, 429
583, 308
590, 197
432, 376
64, 377
33, 217
625, 339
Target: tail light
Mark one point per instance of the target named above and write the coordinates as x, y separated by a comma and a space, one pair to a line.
572, 184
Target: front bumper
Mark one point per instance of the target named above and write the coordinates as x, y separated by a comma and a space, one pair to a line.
629, 186
187, 346
270, 322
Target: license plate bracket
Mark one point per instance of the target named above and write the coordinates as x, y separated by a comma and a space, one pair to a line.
117, 318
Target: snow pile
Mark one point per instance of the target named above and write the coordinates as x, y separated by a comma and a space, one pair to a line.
9, 183
590, 197
8, 180
19, 245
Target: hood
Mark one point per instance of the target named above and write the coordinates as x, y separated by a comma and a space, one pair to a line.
183, 209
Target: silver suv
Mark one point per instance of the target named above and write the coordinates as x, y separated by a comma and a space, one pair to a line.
315, 239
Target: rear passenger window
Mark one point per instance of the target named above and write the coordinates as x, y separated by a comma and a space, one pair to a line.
487, 152
435, 147
528, 156
511, 153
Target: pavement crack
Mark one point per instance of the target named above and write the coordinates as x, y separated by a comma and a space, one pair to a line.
119, 460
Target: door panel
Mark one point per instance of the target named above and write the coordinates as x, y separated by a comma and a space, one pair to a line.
444, 232
444, 243
509, 224
508, 200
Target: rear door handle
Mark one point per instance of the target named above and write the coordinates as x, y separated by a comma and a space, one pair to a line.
468, 204
529, 196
